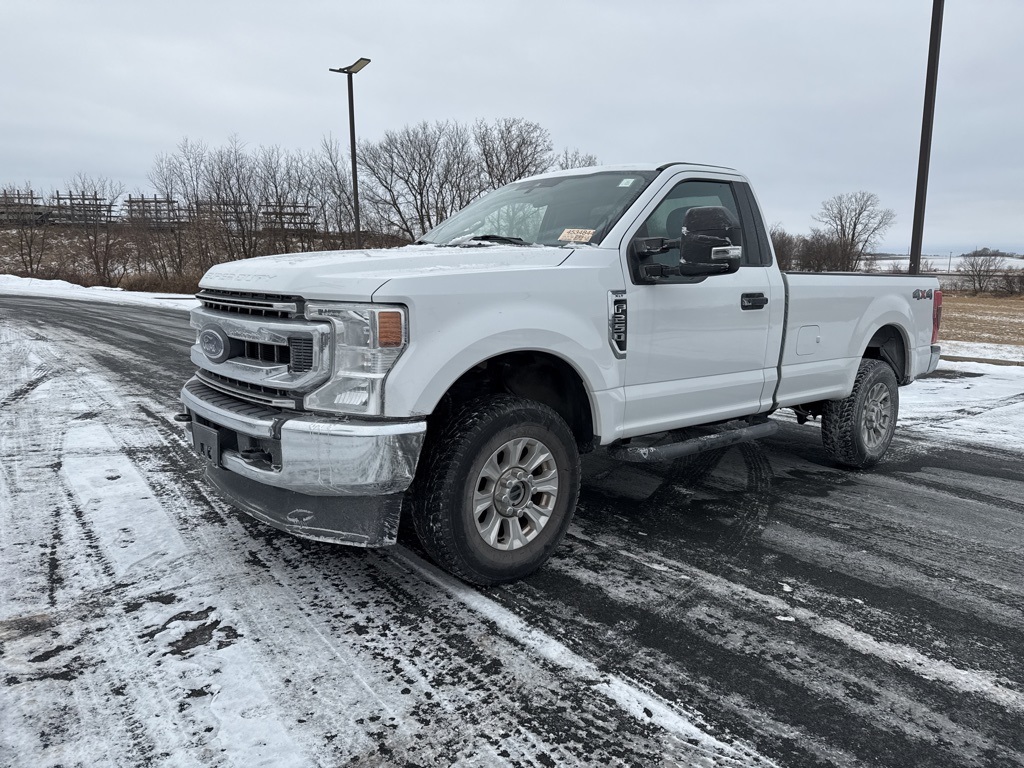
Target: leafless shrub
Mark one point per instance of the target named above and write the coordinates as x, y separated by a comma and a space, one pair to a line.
981, 268
821, 252
1011, 282
786, 246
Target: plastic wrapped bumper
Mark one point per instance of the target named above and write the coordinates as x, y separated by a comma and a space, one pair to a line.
319, 478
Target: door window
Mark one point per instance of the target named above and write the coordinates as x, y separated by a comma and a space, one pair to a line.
673, 213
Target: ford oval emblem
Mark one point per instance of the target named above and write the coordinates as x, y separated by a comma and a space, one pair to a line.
215, 344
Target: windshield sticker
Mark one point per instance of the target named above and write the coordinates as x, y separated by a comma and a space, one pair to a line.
626, 182
576, 235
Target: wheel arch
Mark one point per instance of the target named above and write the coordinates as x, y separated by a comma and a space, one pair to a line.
890, 345
536, 375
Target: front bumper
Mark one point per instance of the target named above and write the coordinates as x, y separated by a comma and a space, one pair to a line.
316, 477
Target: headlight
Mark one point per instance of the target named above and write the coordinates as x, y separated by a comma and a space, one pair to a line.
368, 339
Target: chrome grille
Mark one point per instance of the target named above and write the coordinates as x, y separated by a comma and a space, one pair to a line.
258, 304
277, 356
297, 355
254, 393
301, 353
267, 353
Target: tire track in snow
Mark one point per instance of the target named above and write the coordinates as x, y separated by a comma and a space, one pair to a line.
709, 627
620, 689
55, 659
96, 548
722, 655
97, 454
653, 532
634, 700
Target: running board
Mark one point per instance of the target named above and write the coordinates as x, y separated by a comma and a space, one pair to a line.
730, 436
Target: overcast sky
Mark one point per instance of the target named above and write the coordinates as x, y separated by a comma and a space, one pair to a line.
808, 98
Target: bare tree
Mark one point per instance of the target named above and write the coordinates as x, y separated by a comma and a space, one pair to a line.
96, 200
420, 175
510, 149
786, 247
286, 199
232, 178
156, 239
27, 215
330, 185
855, 222
184, 176
981, 268
230, 202
573, 158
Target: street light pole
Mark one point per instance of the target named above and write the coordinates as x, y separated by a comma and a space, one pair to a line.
917, 236
350, 70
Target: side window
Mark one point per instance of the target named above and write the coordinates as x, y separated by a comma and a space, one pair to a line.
686, 206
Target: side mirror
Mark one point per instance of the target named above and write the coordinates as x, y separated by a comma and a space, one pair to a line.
703, 254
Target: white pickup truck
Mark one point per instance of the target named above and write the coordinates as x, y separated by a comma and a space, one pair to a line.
458, 379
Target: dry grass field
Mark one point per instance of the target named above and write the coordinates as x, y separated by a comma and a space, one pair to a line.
983, 319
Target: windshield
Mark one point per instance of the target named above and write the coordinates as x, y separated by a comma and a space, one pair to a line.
553, 211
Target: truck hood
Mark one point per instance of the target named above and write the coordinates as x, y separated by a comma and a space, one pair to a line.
356, 275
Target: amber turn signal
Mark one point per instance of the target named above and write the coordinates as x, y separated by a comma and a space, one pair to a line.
389, 329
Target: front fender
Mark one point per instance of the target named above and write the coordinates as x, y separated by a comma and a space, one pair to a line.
431, 365
459, 320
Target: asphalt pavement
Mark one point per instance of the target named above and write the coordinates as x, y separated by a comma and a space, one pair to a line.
754, 605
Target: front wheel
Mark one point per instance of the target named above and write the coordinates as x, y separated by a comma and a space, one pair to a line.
497, 490
856, 431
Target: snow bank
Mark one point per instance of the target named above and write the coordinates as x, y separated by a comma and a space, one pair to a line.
30, 286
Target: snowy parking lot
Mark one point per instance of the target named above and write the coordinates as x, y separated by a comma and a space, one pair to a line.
755, 606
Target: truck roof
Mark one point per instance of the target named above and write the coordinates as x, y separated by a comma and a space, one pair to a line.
631, 167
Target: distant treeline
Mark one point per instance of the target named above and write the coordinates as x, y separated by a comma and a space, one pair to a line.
851, 226
209, 205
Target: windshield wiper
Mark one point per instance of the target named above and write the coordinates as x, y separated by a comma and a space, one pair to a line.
467, 239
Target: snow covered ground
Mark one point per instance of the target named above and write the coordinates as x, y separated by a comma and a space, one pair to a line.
30, 286
141, 622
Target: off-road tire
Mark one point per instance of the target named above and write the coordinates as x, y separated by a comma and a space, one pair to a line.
452, 473
856, 431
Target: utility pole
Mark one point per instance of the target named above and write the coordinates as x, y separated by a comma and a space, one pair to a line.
926, 138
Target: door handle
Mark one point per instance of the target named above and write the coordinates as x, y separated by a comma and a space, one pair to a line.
753, 301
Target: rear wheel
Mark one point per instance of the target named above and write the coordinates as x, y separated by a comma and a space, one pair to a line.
857, 430
497, 490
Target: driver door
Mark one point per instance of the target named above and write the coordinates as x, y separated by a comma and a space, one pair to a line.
697, 346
